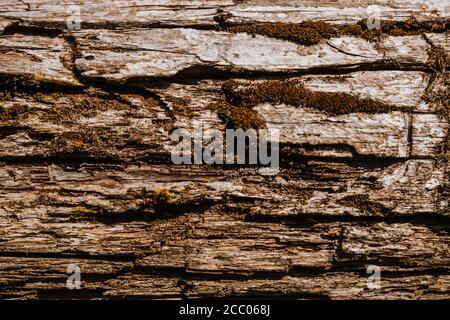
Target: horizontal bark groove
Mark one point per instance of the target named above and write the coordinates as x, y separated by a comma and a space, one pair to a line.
321, 188
101, 124
147, 13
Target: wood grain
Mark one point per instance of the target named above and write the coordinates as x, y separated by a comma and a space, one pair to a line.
86, 176
114, 55
143, 13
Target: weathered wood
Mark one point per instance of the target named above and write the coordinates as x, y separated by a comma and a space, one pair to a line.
440, 40
429, 134
316, 188
123, 55
330, 285
4, 23
37, 59
86, 176
100, 124
399, 88
121, 13
346, 11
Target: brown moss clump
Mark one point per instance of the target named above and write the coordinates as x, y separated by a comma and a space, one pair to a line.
11, 110
360, 30
82, 209
438, 94
89, 141
312, 32
291, 92
362, 202
69, 108
411, 26
6, 96
238, 117
161, 196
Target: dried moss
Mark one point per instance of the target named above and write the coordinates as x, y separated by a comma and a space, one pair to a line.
411, 26
438, 59
69, 108
159, 199
15, 110
6, 96
238, 117
292, 92
362, 202
312, 32
235, 110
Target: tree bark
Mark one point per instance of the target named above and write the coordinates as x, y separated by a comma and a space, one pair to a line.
86, 176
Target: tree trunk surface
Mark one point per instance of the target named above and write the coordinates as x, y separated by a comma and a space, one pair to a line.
86, 176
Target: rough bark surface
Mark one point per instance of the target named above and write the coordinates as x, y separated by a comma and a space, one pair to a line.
86, 176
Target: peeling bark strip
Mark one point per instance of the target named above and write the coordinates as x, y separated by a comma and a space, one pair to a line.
86, 119
123, 55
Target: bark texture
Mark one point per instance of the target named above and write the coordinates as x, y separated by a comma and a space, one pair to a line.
86, 176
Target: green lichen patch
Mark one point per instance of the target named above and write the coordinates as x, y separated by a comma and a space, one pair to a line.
238, 117
293, 93
362, 202
157, 200
82, 210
